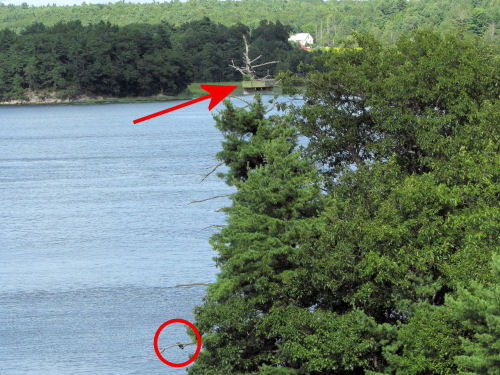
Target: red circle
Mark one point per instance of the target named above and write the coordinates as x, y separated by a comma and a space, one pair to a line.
198, 342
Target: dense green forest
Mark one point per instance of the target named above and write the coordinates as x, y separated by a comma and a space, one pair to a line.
136, 59
125, 49
328, 21
375, 248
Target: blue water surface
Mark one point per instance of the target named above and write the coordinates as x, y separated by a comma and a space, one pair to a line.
96, 231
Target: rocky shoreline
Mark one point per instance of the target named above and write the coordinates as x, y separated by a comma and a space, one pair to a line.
34, 98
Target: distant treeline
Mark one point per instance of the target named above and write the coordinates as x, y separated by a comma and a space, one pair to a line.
136, 59
328, 21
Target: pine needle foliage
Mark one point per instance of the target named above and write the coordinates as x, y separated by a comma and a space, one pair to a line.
478, 310
277, 201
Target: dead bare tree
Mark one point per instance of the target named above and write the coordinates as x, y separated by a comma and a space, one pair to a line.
248, 68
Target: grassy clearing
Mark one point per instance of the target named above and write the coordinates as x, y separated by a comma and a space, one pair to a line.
193, 91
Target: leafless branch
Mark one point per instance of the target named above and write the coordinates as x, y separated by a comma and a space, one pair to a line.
192, 284
214, 197
267, 63
243, 72
254, 60
243, 100
213, 226
205, 176
271, 107
248, 69
179, 344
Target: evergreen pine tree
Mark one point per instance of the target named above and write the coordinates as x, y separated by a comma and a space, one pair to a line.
275, 206
478, 310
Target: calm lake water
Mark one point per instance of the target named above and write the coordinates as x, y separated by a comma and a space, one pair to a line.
96, 230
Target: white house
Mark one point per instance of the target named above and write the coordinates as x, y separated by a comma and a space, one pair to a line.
304, 39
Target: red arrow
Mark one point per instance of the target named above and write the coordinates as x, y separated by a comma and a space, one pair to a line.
216, 92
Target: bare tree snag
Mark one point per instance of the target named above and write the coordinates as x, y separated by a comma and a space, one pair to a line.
248, 68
